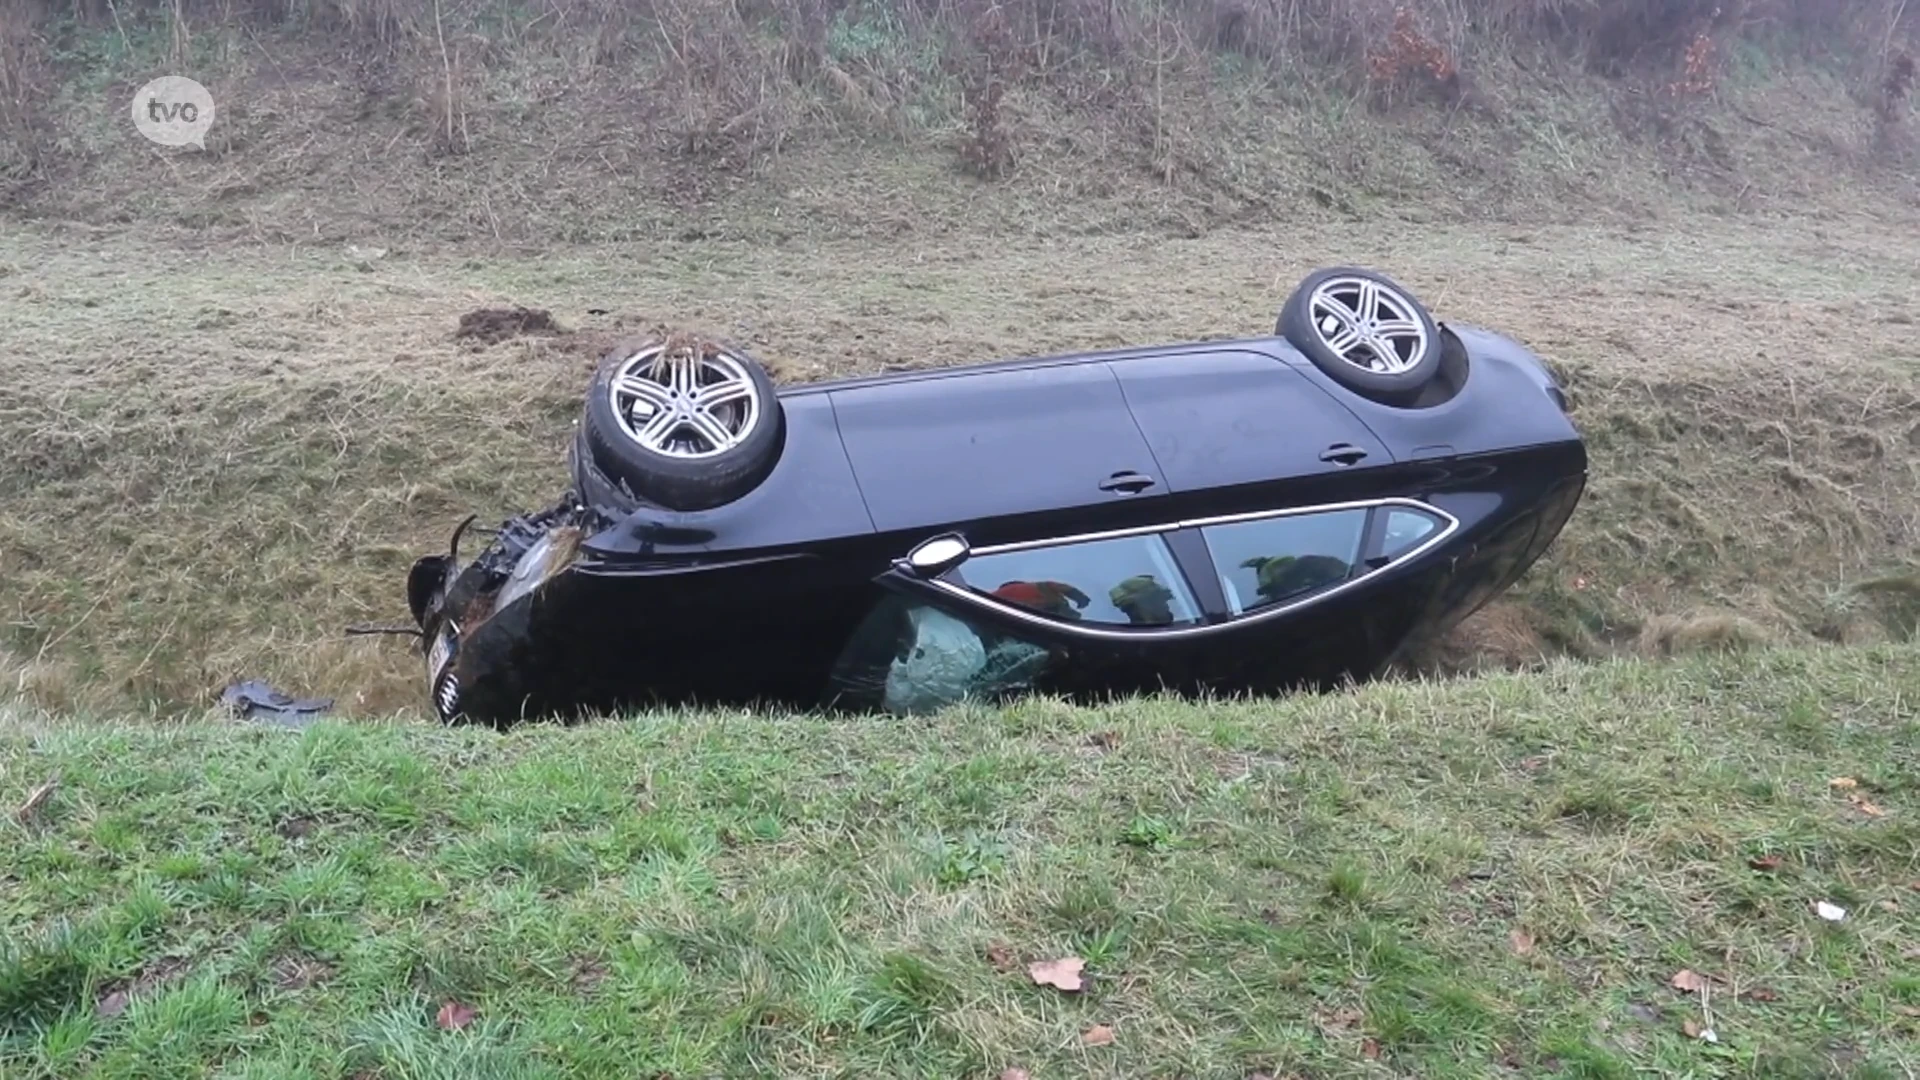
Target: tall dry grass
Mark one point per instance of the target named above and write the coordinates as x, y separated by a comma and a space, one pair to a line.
722, 69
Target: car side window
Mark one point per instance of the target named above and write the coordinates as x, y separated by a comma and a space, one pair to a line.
1404, 529
1122, 581
1271, 560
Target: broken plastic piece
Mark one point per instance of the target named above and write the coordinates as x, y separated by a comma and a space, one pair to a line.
251, 699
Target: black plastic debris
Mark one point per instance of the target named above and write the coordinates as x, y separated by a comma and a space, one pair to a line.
252, 699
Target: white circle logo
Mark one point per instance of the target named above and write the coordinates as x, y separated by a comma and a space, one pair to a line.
173, 110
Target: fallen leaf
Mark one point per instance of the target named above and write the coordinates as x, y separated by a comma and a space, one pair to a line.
1063, 974
1014, 1074
1762, 993
1521, 941
1843, 782
1097, 1035
1867, 806
1689, 981
1907, 1010
1890, 905
1370, 1049
454, 1016
1768, 863
1829, 912
1691, 1027
113, 1004
1914, 885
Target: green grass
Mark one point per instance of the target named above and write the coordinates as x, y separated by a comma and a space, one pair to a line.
1317, 886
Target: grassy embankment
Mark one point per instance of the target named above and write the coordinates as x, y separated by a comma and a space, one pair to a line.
1488, 877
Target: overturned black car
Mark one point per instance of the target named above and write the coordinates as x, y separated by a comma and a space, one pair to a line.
1236, 516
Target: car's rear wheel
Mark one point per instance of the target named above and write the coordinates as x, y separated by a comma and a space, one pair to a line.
682, 423
1365, 331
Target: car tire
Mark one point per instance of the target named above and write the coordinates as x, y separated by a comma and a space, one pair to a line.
679, 465
1387, 347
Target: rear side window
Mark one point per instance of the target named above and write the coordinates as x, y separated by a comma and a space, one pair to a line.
1278, 559
1124, 581
1404, 529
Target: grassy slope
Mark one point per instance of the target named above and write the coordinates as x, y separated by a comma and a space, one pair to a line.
211, 461
1472, 878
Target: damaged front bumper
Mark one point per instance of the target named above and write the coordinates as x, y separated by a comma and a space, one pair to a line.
459, 607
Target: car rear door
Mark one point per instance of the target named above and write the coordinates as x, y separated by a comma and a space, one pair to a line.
1232, 429
1029, 448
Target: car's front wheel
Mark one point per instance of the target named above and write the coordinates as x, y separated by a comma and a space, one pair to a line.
682, 423
1365, 331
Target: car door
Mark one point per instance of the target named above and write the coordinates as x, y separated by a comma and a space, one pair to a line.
1231, 429
1045, 448
1246, 600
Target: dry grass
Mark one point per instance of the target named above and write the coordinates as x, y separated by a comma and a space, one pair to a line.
593, 120
211, 461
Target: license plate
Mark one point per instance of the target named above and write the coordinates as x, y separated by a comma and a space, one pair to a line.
440, 654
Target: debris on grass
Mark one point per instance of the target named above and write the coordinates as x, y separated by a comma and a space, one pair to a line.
1689, 981
1829, 912
454, 1015
36, 799
1766, 863
1097, 1035
1865, 805
251, 699
1062, 974
1520, 940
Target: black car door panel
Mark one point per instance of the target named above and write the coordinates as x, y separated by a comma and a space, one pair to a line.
1218, 418
977, 446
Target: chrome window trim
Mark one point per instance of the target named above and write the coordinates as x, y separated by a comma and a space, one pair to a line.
1450, 525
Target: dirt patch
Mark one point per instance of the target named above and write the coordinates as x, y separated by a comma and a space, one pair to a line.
118, 994
297, 827
588, 974
489, 326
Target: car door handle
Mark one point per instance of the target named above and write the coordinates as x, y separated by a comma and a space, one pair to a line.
1344, 453
1127, 481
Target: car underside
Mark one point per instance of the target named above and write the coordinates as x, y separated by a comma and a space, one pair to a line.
1257, 515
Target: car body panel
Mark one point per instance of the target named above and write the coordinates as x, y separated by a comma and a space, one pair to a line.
964, 447
1498, 407
1220, 418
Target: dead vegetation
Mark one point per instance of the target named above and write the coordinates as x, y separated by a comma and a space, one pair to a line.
415, 116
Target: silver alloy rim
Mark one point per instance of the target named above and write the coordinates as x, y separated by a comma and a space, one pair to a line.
1368, 324
687, 404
